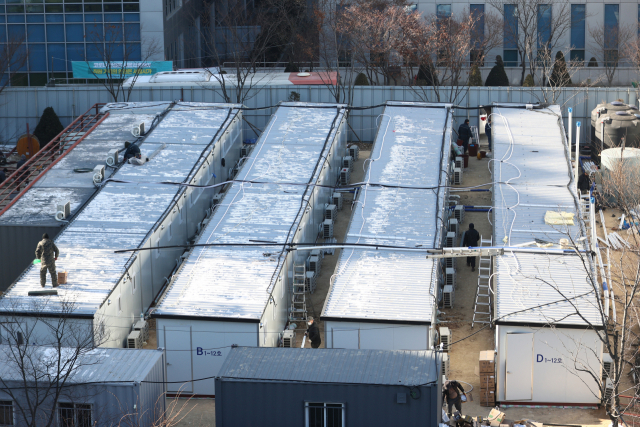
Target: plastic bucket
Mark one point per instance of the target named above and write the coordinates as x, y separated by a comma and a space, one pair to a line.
473, 150
36, 261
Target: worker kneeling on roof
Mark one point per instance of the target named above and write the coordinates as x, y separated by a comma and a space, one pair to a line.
47, 252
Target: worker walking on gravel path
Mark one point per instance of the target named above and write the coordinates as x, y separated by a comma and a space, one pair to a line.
471, 238
47, 252
451, 390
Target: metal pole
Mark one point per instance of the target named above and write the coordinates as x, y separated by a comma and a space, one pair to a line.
577, 154
570, 124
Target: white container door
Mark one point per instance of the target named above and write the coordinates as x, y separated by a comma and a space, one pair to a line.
178, 344
518, 383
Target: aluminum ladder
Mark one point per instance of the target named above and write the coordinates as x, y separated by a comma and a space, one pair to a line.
298, 310
482, 306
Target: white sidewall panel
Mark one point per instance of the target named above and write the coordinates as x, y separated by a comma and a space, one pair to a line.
376, 336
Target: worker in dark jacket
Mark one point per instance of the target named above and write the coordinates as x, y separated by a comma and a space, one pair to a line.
487, 131
47, 252
132, 151
314, 334
471, 238
22, 161
451, 390
464, 133
584, 184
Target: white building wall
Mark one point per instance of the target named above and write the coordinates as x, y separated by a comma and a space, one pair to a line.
556, 354
197, 348
152, 28
375, 336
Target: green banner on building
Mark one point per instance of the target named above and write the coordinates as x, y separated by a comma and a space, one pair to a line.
104, 70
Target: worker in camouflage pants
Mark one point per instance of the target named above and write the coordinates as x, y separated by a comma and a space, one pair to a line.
47, 252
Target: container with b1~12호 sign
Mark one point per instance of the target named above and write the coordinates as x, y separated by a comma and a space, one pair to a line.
201, 352
541, 359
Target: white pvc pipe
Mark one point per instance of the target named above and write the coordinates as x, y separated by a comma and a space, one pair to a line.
613, 299
570, 124
577, 154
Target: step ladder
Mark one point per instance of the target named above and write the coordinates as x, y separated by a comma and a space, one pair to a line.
482, 306
298, 310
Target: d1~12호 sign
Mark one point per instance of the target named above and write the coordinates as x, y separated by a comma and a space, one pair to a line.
106, 70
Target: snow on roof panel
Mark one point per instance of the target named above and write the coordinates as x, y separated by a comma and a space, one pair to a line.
233, 282
412, 140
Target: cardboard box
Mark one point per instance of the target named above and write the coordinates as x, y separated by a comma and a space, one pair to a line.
496, 415
62, 278
487, 380
487, 362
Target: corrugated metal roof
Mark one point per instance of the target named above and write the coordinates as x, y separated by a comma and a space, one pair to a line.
383, 367
121, 215
369, 284
555, 285
531, 175
97, 365
233, 281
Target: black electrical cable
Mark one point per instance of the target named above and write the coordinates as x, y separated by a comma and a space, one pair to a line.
83, 170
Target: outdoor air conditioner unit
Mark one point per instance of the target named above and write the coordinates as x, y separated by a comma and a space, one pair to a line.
345, 176
608, 391
319, 253
63, 211
447, 296
458, 213
142, 326
450, 263
310, 282
445, 365
453, 226
330, 212
138, 130
459, 162
113, 157
347, 162
450, 240
445, 338
314, 264
289, 338
217, 198
134, 340
336, 199
450, 277
457, 176
354, 152
327, 229
607, 366
98, 174
245, 150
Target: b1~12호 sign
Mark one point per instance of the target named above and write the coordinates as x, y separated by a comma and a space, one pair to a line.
105, 70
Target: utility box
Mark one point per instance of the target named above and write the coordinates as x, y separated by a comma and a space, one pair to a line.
62, 277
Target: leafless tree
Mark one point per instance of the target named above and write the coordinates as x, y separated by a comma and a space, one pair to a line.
13, 57
161, 416
609, 45
122, 56
521, 29
43, 353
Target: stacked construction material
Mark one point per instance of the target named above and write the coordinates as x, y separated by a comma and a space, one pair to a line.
487, 378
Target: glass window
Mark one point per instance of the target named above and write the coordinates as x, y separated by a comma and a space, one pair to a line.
94, 52
577, 56
443, 11
319, 414
74, 18
611, 21
113, 33
37, 57
15, 9
56, 56
132, 8
544, 26
75, 52
20, 53
75, 32
35, 33
112, 17
510, 40
73, 1
54, 8
115, 51
35, 18
133, 52
6, 412
74, 415
477, 33
2, 10
112, 8
54, 18
35, 8
132, 17
53, 1
578, 13
3, 33
33, 1
93, 8
93, 17
55, 33
15, 19
16, 32
132, 32
70, 8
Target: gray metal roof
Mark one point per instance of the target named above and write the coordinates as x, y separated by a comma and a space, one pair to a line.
121, 215
382, 367
411, 149
559, 284
61, 184
531, 175
101, 365
234, 282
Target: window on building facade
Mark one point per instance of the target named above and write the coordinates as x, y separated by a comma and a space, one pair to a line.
611, 29
74, 415
578, 14
477, 33
544, 29
510, 36
443, 11
319, 414
6, 413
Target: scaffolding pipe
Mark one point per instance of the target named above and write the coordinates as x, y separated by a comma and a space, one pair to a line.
577, 155
570, 125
